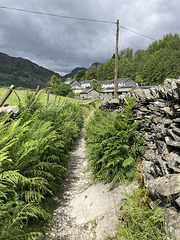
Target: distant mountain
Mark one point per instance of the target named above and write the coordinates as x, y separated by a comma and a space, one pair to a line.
95, 63
22, 72
73, 72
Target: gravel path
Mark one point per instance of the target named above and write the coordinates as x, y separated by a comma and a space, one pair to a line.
64, 227
86, 212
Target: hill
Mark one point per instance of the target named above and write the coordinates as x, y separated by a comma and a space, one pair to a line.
22, 72
74, 72
95, 64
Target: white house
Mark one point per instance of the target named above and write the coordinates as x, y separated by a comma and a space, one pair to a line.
87, 83
76, 85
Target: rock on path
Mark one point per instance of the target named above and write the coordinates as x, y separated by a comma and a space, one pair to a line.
85, 213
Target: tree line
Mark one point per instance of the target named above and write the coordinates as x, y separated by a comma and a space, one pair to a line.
146, 67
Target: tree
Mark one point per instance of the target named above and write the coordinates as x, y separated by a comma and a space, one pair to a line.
80, 75
151, 66
126, 53
91, 73
96, 85
109, 69
59, 88
100, 72
64, 89
53, 84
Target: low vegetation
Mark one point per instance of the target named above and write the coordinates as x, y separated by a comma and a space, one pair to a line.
113, 144
138, 221
34, 150
34, 147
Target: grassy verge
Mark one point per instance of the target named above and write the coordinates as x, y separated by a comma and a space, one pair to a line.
22, 94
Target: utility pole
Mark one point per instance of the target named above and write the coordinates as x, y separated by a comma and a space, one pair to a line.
116, 60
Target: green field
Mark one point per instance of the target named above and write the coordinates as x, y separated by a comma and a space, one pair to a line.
21, 94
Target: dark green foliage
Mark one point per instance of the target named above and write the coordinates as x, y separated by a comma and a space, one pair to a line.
53, 83
112, 142
147, 67
95, 85
64, 90
59, 88
33, 156
80, 75
91, 73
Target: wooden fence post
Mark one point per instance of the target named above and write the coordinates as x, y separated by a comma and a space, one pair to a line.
37, 90
59, 101
47, 97
7, 94
55, 99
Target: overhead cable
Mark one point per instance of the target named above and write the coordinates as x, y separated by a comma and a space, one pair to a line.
137, 33
76, 18
57, 15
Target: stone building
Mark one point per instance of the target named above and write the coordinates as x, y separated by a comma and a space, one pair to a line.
84, 88
89, 94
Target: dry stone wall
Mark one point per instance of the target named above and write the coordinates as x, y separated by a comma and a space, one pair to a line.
161, 162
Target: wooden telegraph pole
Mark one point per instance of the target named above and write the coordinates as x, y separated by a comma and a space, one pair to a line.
116, 60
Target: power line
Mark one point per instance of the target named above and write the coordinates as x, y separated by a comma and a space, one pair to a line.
137, 33
76, 18
57, 15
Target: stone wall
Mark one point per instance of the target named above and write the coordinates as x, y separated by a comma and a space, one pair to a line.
161, 162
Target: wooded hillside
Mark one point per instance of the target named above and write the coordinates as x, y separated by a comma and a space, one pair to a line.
147, 67
22, 72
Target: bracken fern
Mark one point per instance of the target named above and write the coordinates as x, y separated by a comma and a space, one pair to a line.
113, 142
33, 156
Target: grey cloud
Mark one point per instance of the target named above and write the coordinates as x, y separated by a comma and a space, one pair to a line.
62, 44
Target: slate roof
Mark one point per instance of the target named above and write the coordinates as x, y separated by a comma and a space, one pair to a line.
121, 89
87, 81
86, 91
145, 87
120, 80
125, 89
71, 81
107, 90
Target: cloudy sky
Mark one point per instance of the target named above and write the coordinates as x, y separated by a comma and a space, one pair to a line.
62, 44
